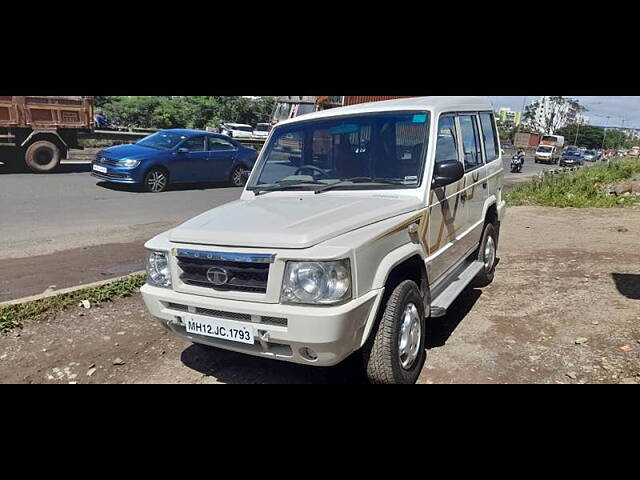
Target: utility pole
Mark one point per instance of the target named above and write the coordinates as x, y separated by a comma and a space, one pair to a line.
605, 130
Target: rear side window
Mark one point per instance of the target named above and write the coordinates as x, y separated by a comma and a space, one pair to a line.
195, 144
447, 143
470, 142
490, 137
216, 143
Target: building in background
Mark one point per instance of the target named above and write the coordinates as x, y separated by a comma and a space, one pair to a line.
508, 118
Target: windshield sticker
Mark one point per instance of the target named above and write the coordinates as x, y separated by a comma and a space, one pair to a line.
420, 118
344, 128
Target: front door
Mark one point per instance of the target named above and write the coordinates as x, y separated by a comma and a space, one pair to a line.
447, 213
221, 154
192, 163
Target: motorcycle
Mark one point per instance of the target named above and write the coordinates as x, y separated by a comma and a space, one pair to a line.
516, 163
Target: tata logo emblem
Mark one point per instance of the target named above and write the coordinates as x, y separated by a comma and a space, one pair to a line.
217, 276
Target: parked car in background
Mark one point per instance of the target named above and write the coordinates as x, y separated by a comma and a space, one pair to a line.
546, 154
262, 130
175, 156
571, 158
634, 152
237, 130
590, 156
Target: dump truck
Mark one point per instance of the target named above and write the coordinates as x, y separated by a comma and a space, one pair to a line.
294, 106
39, 131
526, 140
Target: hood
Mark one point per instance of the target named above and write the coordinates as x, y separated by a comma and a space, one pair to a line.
289, 221
134, 152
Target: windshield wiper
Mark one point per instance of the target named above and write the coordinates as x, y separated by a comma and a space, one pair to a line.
355, 180
281, 186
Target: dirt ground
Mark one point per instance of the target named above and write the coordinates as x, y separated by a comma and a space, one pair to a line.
564, 308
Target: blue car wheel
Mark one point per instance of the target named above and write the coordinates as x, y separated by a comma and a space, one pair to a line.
156, 180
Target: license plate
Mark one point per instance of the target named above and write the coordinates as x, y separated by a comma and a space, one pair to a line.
218, 328
100, 169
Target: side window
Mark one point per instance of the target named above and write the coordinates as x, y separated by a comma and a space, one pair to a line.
470, 142
216, 144
195, 144
489, 135
446, 143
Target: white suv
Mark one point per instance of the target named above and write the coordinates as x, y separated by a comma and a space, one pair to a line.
357, 225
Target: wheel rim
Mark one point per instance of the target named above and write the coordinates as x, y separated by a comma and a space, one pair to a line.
157, 181
237, 176
489, 253
410, 336
43, 156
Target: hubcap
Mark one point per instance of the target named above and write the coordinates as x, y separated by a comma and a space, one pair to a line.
410, 335
237, 176
43, 156
489, 254
157, 181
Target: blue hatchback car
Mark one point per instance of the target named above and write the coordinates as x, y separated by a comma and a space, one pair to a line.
175, 156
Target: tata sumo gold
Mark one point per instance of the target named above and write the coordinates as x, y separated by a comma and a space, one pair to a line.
356, 226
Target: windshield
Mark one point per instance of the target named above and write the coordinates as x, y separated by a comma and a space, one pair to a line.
242, 128
544, 149
263, 127
162, 140
364, 151
589, 152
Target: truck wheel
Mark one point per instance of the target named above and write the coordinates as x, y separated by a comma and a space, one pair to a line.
396, 353
487, 255
42, 156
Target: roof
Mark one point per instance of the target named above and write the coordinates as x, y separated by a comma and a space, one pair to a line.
185, 131
237, 124
435, 104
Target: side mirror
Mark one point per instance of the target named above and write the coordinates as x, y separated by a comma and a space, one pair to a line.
447, 172
183, 150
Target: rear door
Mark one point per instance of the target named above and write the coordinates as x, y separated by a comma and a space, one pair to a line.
474, 192
221, 155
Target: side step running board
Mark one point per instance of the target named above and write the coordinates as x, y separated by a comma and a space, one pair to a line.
440, 304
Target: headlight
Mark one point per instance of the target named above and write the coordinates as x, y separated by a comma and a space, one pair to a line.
158, 273
128, 163
317, 282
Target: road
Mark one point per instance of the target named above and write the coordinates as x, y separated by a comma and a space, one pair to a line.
66, 228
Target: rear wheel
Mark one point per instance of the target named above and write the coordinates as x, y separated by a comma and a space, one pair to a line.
156, 180
487, 254
395, 352
42, 156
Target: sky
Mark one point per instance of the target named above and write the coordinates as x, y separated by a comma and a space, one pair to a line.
598, 108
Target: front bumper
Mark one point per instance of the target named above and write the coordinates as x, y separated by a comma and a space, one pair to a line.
115, 174
282, 332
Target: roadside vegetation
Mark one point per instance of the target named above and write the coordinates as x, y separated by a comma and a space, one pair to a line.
587, 187
12, 316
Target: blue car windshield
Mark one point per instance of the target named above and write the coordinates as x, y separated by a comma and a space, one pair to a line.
359, 152
162, 140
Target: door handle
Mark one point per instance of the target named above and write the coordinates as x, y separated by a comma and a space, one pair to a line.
463, 196
484, 185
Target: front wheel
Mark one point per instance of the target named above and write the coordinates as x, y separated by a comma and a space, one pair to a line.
42, 156
237, 179
396, 352
487, 254
156, 180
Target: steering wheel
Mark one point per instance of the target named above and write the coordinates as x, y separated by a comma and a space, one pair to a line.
310, 167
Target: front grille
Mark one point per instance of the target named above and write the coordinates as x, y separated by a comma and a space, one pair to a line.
106, 161
242, 317
113, 175
224, 275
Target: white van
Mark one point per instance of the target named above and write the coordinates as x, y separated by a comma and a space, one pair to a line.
357, 226
237, 130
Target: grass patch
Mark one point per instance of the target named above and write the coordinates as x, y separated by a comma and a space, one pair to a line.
583, 188
12, 316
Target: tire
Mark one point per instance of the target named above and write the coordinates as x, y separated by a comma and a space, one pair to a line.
487, 257
236, 176
382, 356
42, 156
156, 180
